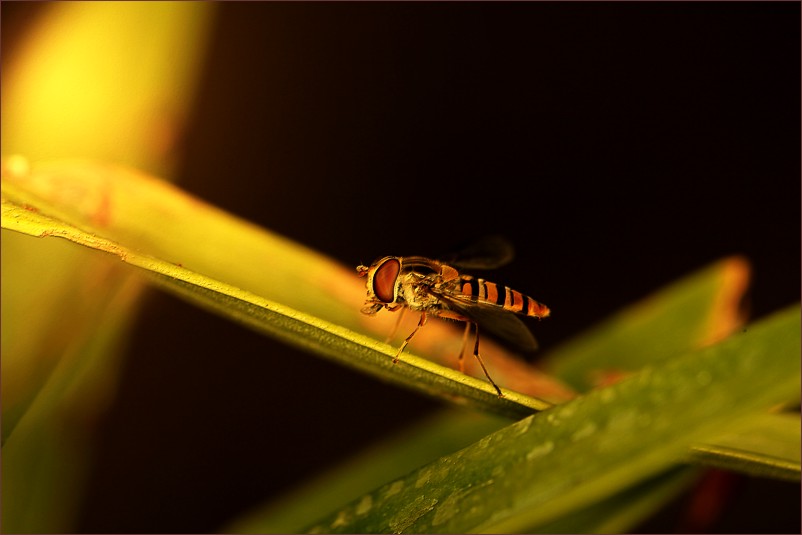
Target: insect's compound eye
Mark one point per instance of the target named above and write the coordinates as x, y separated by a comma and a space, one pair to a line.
384, 280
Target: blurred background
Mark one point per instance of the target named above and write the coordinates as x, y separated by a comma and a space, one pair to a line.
618, 146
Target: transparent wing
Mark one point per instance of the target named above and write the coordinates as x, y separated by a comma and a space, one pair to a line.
489, 252
505, 325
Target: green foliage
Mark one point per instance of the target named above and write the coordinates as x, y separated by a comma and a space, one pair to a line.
546, 466
600, 462
693, 393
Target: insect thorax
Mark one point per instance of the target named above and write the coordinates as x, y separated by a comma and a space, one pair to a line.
414, 290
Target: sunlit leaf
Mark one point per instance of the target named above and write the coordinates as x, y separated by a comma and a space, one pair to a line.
95, 80
152, 217
345, 346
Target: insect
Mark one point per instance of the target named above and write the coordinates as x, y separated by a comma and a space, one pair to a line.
437, 288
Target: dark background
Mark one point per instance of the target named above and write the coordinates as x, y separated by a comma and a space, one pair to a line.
619, 146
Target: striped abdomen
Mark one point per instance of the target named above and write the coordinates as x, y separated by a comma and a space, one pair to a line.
483, 291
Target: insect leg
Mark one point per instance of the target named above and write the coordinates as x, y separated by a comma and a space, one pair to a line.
464, 345
476, 354
397, 324
421, 323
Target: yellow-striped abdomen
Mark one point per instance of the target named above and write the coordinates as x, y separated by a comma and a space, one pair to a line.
484, 291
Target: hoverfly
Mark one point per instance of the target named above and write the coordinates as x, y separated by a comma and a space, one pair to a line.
437, 288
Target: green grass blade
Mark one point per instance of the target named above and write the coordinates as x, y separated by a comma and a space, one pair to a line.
769, 446
693, 312
624, 511
303, 330
721, 283
344, 346
153, 218
307, 330
421, 443
574, 455
444, 434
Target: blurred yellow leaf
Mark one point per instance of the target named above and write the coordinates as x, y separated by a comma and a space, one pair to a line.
90, 79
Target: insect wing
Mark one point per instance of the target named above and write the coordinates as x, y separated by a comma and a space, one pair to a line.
490, 252
491, 318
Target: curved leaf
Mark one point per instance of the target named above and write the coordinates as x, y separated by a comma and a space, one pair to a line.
445, 432
769, 446
536, 470
693, 312
340, 344
290, 513
154, 218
